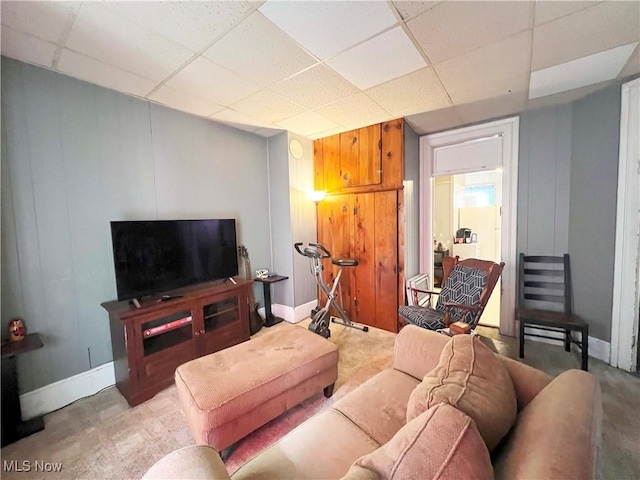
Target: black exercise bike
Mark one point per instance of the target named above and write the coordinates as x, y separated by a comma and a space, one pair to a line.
320, 316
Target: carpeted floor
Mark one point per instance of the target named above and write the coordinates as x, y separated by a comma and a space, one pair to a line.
102, 437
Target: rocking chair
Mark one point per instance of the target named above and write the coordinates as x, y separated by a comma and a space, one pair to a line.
466, 288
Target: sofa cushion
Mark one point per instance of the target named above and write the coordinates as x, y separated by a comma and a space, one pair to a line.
322, 447
440, 443
471, 378
379, 405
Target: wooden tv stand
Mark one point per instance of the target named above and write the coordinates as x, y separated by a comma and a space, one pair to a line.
150, 342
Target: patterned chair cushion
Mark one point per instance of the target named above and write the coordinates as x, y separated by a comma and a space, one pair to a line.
424, 317
463, 286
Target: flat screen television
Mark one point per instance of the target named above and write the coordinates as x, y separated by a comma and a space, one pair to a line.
155, 256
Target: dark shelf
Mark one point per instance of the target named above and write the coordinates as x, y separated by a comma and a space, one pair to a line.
221, 319
221, 312
169, 339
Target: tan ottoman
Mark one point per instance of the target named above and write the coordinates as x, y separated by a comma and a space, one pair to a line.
228, 394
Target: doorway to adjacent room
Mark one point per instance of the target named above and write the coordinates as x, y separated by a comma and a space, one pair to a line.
469, 202
479, 149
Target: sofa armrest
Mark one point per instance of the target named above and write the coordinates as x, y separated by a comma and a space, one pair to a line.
556, 434
527, 381
197, 462
417, 350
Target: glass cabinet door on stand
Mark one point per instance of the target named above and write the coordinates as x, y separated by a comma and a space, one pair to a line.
166, 343
220, 321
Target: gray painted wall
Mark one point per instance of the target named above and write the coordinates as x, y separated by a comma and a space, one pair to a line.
567, 193
303, 219
282, 261
74, 157
543, 181
592, 217
290, 179
412, 201
292, 218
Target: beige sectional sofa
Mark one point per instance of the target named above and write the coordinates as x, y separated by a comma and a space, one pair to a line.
416, 420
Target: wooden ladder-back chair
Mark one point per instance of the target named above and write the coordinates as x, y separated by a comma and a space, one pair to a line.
466, 288
546, 280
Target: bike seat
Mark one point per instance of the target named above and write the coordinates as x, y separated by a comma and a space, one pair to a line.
312, 252
345, 262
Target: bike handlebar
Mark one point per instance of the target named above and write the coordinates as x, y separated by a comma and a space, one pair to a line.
314, 250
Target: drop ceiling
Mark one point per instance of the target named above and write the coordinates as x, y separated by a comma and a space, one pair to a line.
320, 68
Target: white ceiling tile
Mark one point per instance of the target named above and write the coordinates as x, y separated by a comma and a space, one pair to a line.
604, 26
267, 106
409, 9
328, 28
565, 97
307, 123
419, 91
491, 71
435, 121
46, 20
192, 24
327, 133
101, 34
492, 108
633, 65
259, 50
581, 72
387, 56
91, 70
314, 87
238, 120
267, 132
187, 103
26, 48
206, 79
452, 28
354, 111
547, 11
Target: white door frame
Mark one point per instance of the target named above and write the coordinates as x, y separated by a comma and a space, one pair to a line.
626, 273
509, 129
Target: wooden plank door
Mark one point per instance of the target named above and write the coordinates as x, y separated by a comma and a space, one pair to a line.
360, 157
386, 259
364, 226
375, 245
331, 163
392, 155
334, 233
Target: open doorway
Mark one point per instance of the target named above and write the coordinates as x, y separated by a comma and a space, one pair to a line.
479, 148
469, 202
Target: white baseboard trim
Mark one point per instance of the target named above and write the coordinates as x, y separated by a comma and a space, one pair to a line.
597, 348
304, 311
290, 314
64, 392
